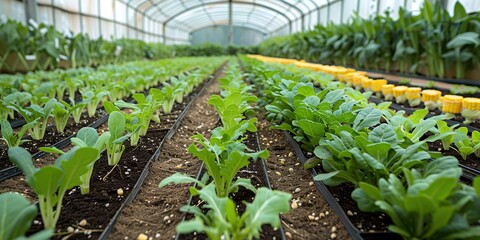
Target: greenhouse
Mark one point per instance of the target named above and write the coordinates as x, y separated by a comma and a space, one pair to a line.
240, 119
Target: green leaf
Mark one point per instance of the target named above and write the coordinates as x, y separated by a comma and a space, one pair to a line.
76, 166
383, 133
367, 117
179, 178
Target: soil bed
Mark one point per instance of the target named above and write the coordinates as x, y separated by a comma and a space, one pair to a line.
155, 212
287, 174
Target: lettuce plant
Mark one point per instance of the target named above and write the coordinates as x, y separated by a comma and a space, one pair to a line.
134, 121
16, 217
11, 138
92, 98
117, 129
428, 203
61, 112
36, 113
88, 137
222, 220
51, 182
232, 108
76, 110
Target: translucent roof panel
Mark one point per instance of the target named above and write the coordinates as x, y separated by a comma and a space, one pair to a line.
190, 14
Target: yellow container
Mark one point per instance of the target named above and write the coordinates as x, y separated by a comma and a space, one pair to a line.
413, 92
431, 95
366, 83
452, 104
471, 104
387, 89
357, 80
378, 84
399, 91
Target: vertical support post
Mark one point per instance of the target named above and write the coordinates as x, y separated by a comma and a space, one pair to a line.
303, 22
31, 10
318, 15
378, 8
164, 33
342, 8
52, 2
358, 7
114, 20
99, 12
80, 15
289, 27
135, 22
126, 22
328, 12
230, 23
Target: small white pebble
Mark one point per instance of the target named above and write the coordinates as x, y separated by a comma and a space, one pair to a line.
166, 218
349, 213
326, 213
317, 218
311, 218
278, 173
290, 154
288, 235
157, 235
334, 229
290, 170
310, 183
142, 236
297, 190
294, 205
83, 223
322, 214
70, 229
333, 236
120, 192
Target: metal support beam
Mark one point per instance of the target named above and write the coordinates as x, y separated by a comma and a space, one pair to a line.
342, 8
303, 22
99, 7
164, 33
31, 10
81, 15
230, 23
114, 20
53, 12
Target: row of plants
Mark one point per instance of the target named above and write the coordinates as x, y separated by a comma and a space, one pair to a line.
432, 43
223, 154
458, 138
74, 168
382, 153
38, 46
38, 98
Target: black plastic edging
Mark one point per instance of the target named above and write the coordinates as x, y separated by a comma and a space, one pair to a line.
136, 188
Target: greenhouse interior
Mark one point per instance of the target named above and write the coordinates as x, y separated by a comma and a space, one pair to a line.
240, 119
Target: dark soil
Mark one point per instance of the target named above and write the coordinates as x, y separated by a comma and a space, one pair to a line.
51, 136
287, 174
155, 212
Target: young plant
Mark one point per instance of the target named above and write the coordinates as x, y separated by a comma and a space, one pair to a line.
88, 137
222, 220
135, 120
92, 98
464, 145
117, 129
61, 112
10, 137
232, 108
16, 217
76, 110
38, 114
52, 182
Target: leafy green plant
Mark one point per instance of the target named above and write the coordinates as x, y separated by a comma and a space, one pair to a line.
38, 114
51, 182
88, 137
61, 112
232, 108
222, 220
92, 98
16, 216
463, 89
11, 138
117, 129
432, 205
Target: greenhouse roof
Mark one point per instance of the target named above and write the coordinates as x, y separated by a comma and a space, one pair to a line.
263, 15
